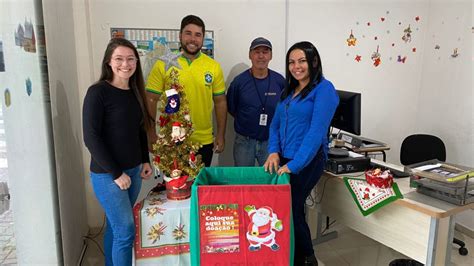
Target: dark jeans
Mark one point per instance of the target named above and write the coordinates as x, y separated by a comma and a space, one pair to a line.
301, 186
206, 152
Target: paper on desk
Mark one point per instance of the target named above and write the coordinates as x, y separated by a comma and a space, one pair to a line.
355, 155
427, 167
371, 145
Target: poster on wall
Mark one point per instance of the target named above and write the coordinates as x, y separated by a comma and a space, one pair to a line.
25, 36
7, 97
147, 40
2, 58
28, 86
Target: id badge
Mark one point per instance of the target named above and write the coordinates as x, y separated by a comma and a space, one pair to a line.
263, 119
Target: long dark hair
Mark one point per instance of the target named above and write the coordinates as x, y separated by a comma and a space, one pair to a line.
314, 66
136, 82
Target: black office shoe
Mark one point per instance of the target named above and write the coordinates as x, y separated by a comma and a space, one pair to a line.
310, 261
405, 262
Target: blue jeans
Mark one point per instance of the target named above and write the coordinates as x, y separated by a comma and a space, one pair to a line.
118, 204
246, 150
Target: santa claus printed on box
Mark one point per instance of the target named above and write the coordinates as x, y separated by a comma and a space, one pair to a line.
262, 227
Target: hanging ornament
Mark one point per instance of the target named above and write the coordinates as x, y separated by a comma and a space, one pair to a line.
455, 53
28, 86
192, 159
351, 41
407, 34
164, 120
8, 98
172, 105
178, 133
187, 117
401, 59
376, 57
157, 159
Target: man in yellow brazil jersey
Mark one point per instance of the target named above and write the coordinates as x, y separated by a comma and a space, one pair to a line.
203, 83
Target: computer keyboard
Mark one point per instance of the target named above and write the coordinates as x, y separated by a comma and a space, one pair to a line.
396, 170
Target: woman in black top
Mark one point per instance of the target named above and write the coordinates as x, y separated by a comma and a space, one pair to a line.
114, 126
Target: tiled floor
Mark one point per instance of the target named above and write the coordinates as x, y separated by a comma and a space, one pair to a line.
7, 239
350, 248
93, 255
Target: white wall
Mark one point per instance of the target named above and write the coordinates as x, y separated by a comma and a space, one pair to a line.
446, 93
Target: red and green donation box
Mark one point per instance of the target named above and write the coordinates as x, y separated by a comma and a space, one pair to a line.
241, 216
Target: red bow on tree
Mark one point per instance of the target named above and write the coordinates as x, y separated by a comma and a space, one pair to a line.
164, 121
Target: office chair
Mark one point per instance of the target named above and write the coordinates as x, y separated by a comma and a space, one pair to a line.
420, 147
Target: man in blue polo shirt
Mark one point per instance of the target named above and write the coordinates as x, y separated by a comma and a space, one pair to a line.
251, 100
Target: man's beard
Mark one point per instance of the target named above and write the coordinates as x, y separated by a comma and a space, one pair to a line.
185, 49
260, 220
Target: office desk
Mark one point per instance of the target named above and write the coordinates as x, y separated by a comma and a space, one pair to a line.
370, 145
418, 226
162, 231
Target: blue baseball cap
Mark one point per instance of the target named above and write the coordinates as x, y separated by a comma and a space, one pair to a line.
260, 41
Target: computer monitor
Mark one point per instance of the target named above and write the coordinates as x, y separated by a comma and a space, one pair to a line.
347, 115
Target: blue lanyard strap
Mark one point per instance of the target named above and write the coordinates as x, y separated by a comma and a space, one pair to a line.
262, 102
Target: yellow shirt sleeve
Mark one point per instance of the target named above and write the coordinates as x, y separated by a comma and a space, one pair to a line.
156, 78
218, 86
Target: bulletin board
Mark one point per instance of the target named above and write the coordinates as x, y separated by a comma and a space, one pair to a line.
145, 40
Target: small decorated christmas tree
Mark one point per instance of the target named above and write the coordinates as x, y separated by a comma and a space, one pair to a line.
174, 153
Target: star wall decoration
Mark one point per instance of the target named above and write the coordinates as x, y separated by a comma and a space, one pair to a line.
170, 59
351, 41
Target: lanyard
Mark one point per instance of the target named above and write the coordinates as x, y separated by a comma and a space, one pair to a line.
263, 103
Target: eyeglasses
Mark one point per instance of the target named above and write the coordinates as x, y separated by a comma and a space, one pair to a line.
120, 60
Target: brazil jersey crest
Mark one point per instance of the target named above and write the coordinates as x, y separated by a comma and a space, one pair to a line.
208, 78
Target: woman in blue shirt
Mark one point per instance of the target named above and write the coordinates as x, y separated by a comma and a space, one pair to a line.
298, 141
